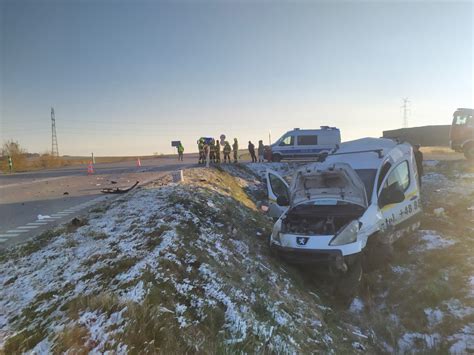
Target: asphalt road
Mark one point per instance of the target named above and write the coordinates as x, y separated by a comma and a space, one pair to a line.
33, 202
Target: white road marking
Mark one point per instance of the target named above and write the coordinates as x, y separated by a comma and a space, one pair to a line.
56, 217
37, 224
8, 235
28, 227
17, 231
3, 240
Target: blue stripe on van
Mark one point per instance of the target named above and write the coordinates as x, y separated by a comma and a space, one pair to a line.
302, 151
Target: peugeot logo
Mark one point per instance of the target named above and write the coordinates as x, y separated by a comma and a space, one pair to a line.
302, 240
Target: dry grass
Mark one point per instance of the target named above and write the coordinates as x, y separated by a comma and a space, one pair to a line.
440, 153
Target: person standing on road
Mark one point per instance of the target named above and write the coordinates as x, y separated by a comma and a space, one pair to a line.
251, 148
261, 151
218, 152
207, 153
201, 151
227, 150
10, 164
212, 151
235, 148
419, 161
180, 151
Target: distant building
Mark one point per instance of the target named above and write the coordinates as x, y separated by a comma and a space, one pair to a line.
427, 136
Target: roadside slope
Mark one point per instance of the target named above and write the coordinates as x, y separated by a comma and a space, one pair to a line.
167, 268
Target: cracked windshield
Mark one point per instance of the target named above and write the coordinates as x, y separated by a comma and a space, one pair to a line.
236, 177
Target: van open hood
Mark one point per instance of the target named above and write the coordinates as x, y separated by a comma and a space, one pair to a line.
327, 181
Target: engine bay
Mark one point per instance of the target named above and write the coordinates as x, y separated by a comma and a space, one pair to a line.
319, 220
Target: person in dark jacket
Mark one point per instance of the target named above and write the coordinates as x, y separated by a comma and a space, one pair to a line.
235, 149
261, 151
419, 161
218, 152
252, 152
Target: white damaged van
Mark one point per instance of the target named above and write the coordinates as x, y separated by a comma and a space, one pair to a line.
366, 191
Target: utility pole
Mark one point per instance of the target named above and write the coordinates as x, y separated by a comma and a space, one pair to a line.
54, 138
406, 111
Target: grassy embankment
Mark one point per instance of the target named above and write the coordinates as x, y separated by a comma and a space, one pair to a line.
175, 269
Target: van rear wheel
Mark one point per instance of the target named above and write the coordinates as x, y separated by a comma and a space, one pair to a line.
469, 151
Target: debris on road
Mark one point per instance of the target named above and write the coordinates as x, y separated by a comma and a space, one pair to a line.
118, 190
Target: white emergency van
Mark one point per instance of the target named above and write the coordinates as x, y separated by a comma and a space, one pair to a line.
305, 143
365, 191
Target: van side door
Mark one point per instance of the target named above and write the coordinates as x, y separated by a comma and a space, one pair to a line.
307, 146
399, 199
277, 187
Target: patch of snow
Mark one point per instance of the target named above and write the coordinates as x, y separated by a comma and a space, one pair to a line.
470, 283
463, 341
43, 347
102, 329
135, 294
400, 269
357, 305
408, 342
434, 316
466, 176
432, 241
458, 309
260, 169
358, 346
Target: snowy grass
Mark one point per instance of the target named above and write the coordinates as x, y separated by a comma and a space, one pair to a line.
180, 268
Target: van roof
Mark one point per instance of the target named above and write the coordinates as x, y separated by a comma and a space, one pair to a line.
318, 130
365, 152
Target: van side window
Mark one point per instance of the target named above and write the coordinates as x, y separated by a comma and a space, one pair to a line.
383, 173
307, 140
288, 140
400, 175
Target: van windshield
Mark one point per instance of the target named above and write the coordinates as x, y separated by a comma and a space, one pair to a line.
368, 178
462, 118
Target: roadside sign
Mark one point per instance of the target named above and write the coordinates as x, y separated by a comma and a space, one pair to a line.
175, 143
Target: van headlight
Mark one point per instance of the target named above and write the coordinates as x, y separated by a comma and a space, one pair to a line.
347, 235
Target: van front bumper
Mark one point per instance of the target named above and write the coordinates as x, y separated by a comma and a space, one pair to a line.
328, 257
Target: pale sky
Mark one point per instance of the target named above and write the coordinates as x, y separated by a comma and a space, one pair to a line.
127, 77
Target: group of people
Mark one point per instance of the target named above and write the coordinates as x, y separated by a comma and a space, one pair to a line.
210, 148
260, 150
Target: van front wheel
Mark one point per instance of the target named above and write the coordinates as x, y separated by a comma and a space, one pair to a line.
276, 158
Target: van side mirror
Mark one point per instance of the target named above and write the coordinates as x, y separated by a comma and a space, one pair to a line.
391, 194
283, 201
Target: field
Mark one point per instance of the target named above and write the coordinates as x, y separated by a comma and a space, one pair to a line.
24, 164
